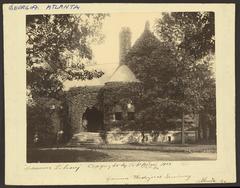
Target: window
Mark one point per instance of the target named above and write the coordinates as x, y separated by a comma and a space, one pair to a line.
130, 115
130, 110
113, 117
118, 115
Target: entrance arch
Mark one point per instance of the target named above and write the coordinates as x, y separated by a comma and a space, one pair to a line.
93, 119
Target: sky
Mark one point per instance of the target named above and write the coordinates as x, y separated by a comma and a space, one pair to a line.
106, 54
108, 51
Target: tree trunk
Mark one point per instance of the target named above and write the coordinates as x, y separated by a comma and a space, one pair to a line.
212, 132
196, 122
182, 131
200, 127
203, 127
143, 136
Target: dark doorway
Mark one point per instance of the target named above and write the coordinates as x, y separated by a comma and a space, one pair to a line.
94, 119
169, 139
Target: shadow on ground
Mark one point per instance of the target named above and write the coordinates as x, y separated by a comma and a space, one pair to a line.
60, 155
56, 155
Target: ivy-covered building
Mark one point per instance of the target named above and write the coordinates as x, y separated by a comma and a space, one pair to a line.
112, 103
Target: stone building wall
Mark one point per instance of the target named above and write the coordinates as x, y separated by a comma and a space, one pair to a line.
104, 99
78, 99
133, 137
56, 121
118, 94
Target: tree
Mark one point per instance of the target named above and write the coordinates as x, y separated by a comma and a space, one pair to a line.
175, 68
190, 36
57, 48
40, 122
153, 64
192, 32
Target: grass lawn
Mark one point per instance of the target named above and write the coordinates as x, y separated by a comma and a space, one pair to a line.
61, 155
56, 155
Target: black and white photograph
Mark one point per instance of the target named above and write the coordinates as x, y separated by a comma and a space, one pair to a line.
120, 93
110, 87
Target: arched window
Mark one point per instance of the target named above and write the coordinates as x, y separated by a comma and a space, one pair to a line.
130, 110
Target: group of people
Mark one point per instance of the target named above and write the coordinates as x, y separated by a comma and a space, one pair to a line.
59, 138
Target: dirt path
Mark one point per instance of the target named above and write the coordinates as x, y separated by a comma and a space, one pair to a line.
111, 155
137, 155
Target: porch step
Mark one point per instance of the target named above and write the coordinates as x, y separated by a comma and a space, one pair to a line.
85, 138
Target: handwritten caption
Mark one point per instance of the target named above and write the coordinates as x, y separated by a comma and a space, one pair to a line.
148, 178
160, 174
76, 168
186, 178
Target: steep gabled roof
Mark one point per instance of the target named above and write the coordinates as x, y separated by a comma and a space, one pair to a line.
108, 71
146, 43
120, 73
123, 74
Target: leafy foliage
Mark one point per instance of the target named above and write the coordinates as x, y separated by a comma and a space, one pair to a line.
192, 32
57, 47
191, 37
39, 121
119, 93
176, 70
151, 61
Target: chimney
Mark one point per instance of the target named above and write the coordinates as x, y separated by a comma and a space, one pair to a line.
147, 26
125, 43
